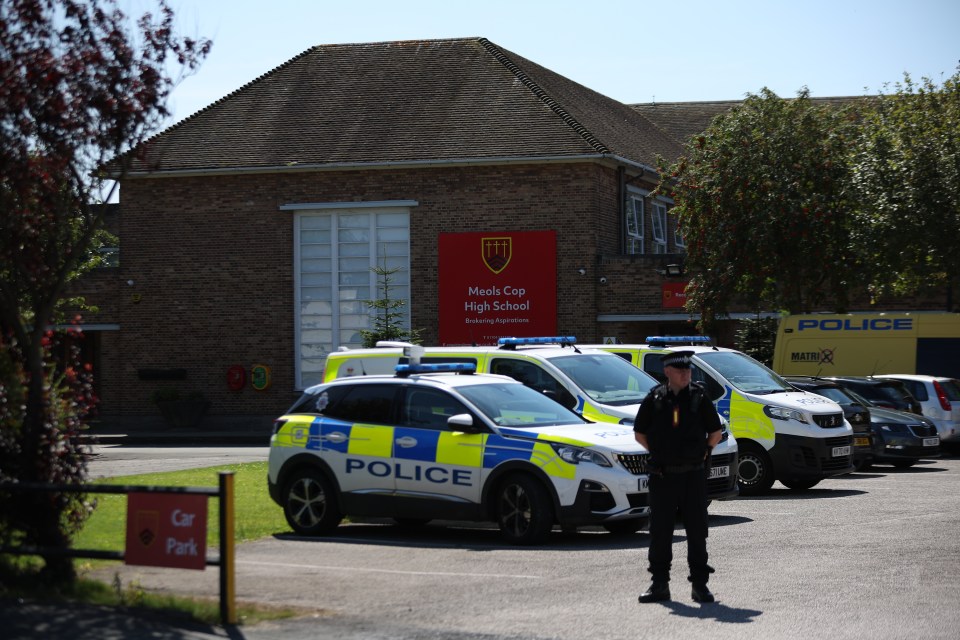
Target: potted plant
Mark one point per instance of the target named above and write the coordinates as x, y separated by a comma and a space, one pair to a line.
180, 410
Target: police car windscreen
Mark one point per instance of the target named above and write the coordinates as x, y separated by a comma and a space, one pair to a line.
745, 373
516, 405
606, 378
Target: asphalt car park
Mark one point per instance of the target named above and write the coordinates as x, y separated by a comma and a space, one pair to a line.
868, 554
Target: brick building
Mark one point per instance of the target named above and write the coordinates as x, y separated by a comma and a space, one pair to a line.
249, 229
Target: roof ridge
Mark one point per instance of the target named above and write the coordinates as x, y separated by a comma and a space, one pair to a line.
542, 95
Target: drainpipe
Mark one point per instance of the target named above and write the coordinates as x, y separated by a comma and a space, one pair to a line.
621, 209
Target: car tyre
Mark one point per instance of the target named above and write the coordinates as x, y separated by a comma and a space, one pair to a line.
310, 503
799, 484
755, 473
524, 510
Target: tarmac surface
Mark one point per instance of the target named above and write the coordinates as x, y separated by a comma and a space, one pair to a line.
24, 619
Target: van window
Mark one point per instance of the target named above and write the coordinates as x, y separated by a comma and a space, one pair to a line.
533, 376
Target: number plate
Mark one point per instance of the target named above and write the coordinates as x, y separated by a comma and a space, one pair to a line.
931, 442
643, 483
719, 472
861, 442
841, 451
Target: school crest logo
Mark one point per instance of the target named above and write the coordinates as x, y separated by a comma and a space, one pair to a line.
496, 253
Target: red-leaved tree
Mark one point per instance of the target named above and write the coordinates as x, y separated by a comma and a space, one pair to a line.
80, 85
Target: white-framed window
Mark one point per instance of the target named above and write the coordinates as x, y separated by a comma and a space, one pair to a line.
335, 250
658, 226
634, 224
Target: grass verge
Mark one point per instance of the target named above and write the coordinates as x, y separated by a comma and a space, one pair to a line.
256, 516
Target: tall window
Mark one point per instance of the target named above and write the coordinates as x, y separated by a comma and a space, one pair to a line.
658, 224
335, 252
634, 224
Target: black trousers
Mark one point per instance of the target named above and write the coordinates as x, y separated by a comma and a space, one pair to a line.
687, 493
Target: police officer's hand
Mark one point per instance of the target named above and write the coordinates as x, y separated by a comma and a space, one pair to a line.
654, 467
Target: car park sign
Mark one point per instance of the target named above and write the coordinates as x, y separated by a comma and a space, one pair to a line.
166, 530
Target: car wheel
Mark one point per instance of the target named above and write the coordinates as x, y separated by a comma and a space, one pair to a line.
904, 464
524, 510
755, 474
625, 527
861, 465
310, 503
799, 484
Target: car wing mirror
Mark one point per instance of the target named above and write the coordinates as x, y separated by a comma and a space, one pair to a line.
463, 422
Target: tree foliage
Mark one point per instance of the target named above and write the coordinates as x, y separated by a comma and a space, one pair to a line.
386, 312
905, 171
80, 87
761, 201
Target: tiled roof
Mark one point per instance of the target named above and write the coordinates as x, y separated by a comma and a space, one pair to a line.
405, 102
684, 119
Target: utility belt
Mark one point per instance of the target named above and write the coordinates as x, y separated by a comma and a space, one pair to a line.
682, 468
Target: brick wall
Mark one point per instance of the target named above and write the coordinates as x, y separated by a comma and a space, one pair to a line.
211, 261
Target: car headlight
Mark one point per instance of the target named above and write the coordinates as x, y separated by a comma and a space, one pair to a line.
576, 455
782, 413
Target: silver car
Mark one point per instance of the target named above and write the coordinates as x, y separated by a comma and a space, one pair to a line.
939, 397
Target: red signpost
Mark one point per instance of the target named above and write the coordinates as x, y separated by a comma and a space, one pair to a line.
167, 530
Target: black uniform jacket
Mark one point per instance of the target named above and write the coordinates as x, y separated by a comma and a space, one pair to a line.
677, 434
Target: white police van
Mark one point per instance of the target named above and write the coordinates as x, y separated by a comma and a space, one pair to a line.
782, 433
441, 442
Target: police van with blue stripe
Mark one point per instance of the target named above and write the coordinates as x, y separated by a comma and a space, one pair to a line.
441, 442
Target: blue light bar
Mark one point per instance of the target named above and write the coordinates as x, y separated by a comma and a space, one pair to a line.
513, 342
440, 367
678, 339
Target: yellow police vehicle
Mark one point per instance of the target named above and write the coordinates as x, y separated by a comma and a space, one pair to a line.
782, 433
438, 441
598, 385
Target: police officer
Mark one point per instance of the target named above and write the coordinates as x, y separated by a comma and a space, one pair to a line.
678, 424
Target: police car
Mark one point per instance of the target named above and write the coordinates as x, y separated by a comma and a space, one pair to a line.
438, 441
599, 386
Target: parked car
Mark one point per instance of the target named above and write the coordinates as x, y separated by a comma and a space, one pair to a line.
438, 442
598, 385
939, 398
901, 438
854, 411
882, 392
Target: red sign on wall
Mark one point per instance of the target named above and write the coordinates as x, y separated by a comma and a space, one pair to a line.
673, 295
166, 530
498, 284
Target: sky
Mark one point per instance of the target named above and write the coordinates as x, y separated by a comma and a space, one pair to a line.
632, 51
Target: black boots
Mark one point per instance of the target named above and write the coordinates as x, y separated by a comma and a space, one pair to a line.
657, 592
701, 593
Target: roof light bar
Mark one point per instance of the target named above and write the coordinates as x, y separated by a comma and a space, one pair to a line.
404, 370
516, 342
691, 340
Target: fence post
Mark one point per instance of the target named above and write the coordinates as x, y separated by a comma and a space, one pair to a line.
228, 609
